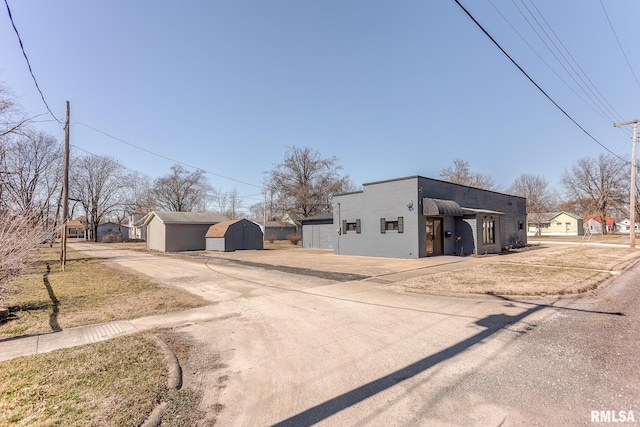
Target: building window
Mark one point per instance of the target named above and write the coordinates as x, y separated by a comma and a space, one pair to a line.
397, 225
544, 225
558, 223
520, 225
351, 226
488, 232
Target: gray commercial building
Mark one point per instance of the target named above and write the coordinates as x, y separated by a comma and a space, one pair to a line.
416, 217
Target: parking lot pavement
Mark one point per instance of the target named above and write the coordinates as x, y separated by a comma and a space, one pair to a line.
326, 260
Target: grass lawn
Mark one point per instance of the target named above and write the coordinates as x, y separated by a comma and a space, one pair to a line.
546, 271
88, 291
112, 383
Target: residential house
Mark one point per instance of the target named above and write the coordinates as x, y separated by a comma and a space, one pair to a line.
624, 226
593, 225
416, 217
77, 228
137, 229
111, 232
234, 235
554, 224
281, 229
179, 231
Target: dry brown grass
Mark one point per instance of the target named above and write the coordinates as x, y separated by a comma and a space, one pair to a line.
548, 271
114, 383
89, 291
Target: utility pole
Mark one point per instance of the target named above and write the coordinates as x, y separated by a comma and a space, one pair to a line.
632, 193
65, 192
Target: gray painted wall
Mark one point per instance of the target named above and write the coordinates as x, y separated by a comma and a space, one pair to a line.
512, 230
391, 200
156, 236
318, 236
186, 237
215, 244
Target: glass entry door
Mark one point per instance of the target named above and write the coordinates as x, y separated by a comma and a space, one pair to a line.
434, 236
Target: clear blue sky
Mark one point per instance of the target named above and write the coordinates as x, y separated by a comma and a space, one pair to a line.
391, 88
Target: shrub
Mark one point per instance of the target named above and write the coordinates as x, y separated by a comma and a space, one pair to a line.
294, 238
271, 238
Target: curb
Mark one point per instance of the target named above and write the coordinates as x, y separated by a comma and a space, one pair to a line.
174, 380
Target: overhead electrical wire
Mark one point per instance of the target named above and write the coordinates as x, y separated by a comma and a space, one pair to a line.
97, 155
167, 158
571, 71
475, 21
588, 104
29, 63
597, 92
619, 44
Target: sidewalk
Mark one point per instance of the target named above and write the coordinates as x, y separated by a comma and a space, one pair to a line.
43, 343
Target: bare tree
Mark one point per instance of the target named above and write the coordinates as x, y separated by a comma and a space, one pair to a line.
97, 181
539, 198
599, 185
460, 173
305, 182
137, 194
12, 118
256, 212
220, 200
234, 205
18, 238
33, 165
182, 191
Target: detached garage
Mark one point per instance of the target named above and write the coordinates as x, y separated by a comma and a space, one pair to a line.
318, 232
234, 235
179, 231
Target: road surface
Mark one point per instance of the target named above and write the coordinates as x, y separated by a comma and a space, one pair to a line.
296, 350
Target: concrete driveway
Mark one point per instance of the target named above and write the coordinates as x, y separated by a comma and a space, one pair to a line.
297, 350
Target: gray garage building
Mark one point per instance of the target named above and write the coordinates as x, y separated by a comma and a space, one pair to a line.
416, 217
318, 231
179, 231
234, 235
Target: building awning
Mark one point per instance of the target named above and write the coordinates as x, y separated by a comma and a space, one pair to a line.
470, 211
439, 207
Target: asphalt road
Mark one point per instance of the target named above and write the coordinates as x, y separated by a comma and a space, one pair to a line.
296, 350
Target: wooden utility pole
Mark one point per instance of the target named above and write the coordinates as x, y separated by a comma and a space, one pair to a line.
632, 193
65, 192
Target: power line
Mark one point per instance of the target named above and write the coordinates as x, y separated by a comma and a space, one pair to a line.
598, 93
97, 155
165, 157
590, 105
29, 63
534, 82
572, 73
619, 44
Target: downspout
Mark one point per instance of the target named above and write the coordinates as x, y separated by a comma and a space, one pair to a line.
339, 228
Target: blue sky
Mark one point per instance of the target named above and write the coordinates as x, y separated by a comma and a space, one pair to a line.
391, 88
